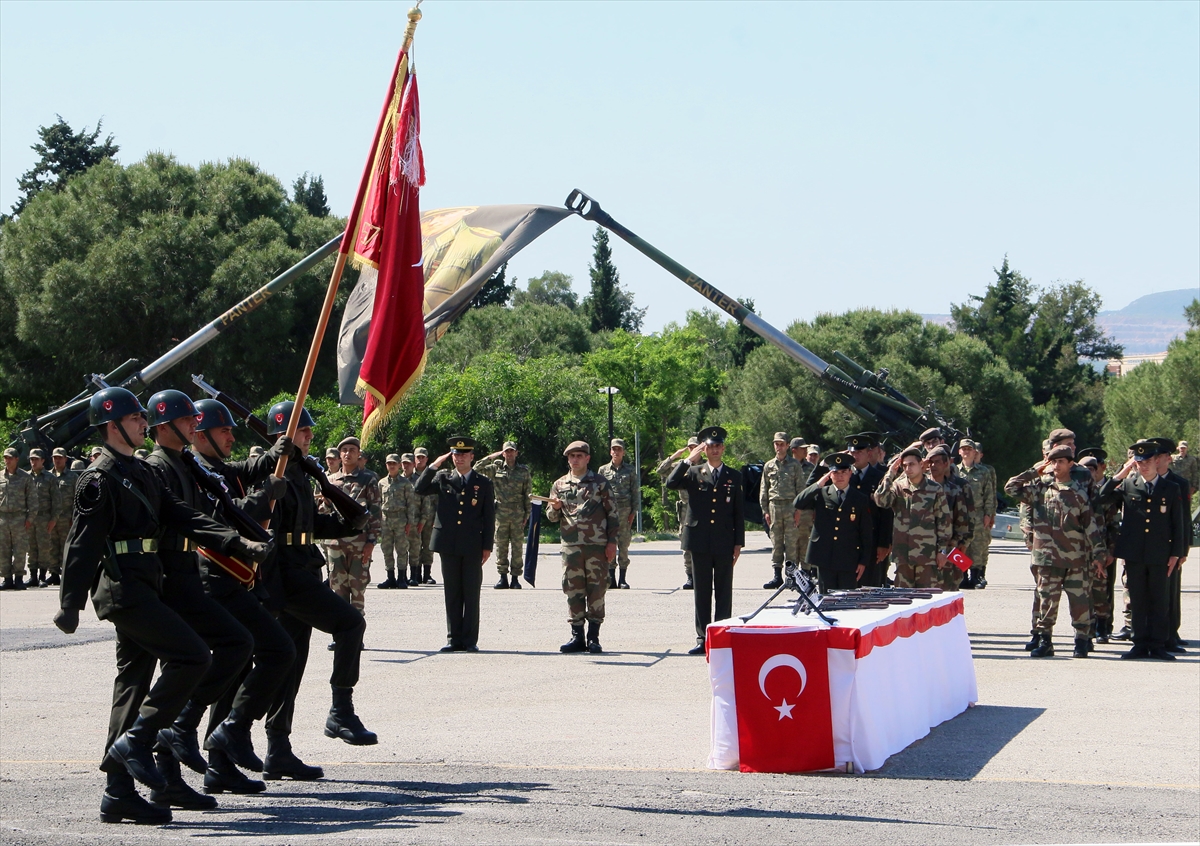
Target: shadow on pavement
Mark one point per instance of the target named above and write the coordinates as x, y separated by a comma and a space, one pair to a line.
761, 813
959, 748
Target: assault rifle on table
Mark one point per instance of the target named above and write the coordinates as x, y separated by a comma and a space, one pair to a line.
808, 599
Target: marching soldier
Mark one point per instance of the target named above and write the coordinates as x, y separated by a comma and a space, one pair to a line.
842, 545
922, 522
681, 505
962, 510
783, 479
350, 558
397, 504
428, 517
513, 484
44, 507
582, 502
419, 517
981, 479
65, 479
16, 519
623, 483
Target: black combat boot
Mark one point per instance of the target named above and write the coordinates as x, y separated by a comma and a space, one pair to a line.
1044, 649
344, 723
776, 582
34, 581
1103, 629
177, 793
575, 644
980, 579
121, 802
232, 737
968, 581
414, 578
621, 583
18, 583
428, 577
1082, 647
390, 582
132, 751
223, 777
689, 585
55, 579
515, 584
503, 583
400, 583
1033, 642
281, 762
612, 578
181, 738
593, 637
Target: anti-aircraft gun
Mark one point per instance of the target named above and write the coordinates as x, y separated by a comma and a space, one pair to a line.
67, 425
888, 411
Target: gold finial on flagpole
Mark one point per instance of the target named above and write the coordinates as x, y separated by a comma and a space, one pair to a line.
414, 15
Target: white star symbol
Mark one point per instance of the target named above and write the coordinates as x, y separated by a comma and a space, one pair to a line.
785, 710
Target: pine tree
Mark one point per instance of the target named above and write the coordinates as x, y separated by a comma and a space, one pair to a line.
63, 153
495, 291
310, 193
609, 306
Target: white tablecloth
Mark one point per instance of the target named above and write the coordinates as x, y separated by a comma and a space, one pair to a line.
893, 675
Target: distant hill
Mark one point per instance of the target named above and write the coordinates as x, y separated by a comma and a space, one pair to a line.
1165, 305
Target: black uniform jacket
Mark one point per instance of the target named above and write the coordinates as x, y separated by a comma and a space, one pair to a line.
466, 514
178, 554
107, 509
866, 483
1152, 525
843, 536
715, 520
240, 477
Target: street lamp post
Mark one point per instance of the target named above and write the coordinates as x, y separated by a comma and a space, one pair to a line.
611, 391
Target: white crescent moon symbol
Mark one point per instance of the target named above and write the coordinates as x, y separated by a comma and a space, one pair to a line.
781, 661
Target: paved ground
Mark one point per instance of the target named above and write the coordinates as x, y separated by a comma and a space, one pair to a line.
519, 744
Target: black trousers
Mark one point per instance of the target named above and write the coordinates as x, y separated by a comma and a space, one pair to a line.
1149, 602
1174, 599
230, 642
832, 579
711, 573
309, 604
463, 576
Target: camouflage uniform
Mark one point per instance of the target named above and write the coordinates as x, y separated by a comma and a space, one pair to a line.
1188, 466
16, 509
589, 523
921, 526
804, 527
982, 481
397, 506
348, 574
623, 485
961, 500
428, 513
62, 517
681, 510
43, 505
421, 517
1109, 516
782, 481
513, 486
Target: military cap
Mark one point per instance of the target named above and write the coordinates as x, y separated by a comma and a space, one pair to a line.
941, 450
392, 459
409, 457
1089, 461
420, 451
1145, 449
510, 445
796, 443
935, 432
693, 441
912, 450
1182, 444
350, 441
813, 448
332, 452
37, 453
780, 436
1060, 435
78, 464
1046, 446
11, 453
460, 443
1060, 451
1165, 445
617, 442
577, 446
256, 450
712, 435
838, 461
96, 451
967, 442
1094, 452
59, 451
863, 440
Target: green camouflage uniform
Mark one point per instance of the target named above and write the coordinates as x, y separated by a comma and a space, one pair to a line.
1067, 541
782, 481
421, 515
681, 510
43, 505
921, 526
982, 481
623, 485
513, 487
16, 509
589, 523
428, 513
961, 499
1109, 516
397, 504
348, 574
799, 550
62, 517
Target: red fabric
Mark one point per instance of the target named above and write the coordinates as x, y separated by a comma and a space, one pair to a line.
960, 559
785, 724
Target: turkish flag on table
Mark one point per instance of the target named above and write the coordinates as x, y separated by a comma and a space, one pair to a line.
785, 723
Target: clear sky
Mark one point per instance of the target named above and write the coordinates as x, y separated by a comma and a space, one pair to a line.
815, 157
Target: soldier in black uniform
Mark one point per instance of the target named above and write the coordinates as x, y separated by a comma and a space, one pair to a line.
1175, 582
865, 478
121, 504
1151, 543
842, 544
463, 535
252, 488
716, 528
297, 588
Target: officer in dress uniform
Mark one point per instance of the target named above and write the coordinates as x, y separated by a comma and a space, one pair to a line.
716, 529
865, 478
463, 535
842, 544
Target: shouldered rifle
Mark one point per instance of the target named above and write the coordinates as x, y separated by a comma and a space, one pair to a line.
246, 526
346, 505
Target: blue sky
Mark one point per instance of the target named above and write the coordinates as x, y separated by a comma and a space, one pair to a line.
814, 157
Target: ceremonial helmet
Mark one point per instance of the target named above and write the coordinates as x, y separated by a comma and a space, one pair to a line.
169, 405
212, 414
281, 414
112, 404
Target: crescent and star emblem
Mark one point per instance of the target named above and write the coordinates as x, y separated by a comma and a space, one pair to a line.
775, 661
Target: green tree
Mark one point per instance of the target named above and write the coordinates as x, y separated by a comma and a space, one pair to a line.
495, 291
552, 288
310, 193
62, 153
528, 331
609, 306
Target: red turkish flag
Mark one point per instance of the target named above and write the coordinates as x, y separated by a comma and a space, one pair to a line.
960, 559
781, 681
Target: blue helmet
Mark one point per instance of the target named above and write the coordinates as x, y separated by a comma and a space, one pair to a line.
169, 405
281, 414
212, 414
112, 404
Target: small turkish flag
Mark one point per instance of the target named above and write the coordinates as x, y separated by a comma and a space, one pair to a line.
960, 559
781, 681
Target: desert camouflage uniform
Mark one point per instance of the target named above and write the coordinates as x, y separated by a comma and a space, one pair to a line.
16, 509
804, 527
1067, 541
62, 517
623, 485
397, 507
982, 481
961, 500
782, 481
681, 510
348, 574
513, 486
589, 523
921, 526
43, 505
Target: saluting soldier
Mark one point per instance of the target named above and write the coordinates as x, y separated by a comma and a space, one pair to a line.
397, 504
842, 544
513, 484
121, 505
582, 502
922, 526
783, 479
962, 509
982, 481
350, 558
1109, 515
16, 519
65, 478
44, 507
624, 483
866, 477
428, 517
716, 528
681, 505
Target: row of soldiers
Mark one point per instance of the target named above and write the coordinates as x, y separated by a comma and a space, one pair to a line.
35, 514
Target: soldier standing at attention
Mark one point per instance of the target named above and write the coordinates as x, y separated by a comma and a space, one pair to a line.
1067, 539
428, 516
866, 477
982, 482
350, 558
1187, 466
623, 483
843, 539
1166, 447
397, 504
681, 506
463, 536
333, 461
513, 484
1109, 515
417, 520
783, 479
809, 457
716, 528
921, 523
65, 479
16, 519
582, 502
43, 506
962, 512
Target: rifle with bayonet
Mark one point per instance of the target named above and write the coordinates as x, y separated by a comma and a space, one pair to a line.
245, 525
